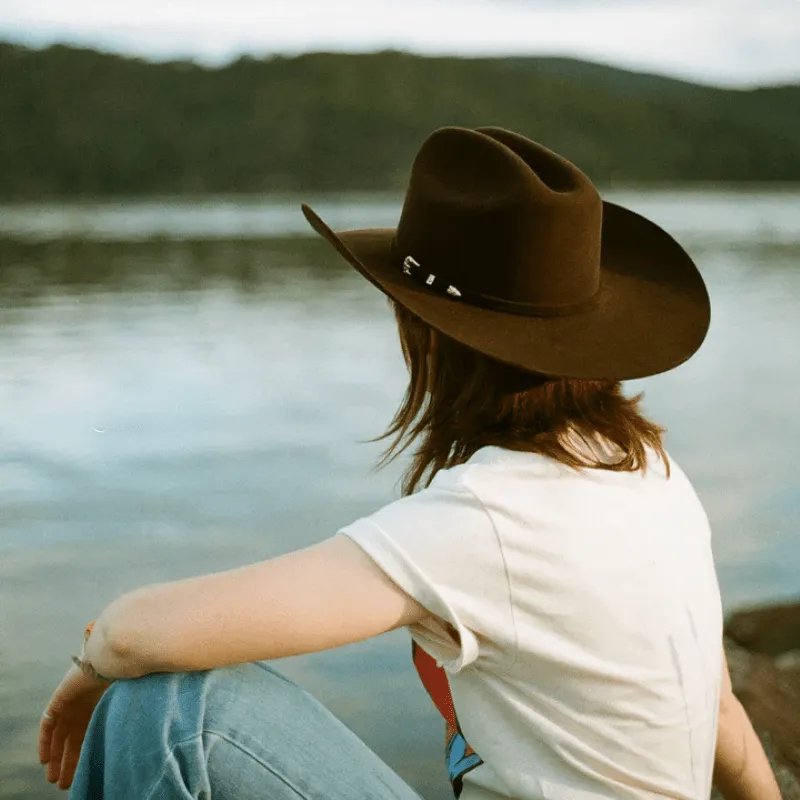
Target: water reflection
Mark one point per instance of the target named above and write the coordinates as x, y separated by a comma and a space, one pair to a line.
30, 269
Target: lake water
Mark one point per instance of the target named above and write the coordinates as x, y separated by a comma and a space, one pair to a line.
187, 386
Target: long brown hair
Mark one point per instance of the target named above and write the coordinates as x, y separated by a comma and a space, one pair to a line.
459, 400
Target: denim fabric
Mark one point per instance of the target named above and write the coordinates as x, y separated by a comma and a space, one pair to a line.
242, 733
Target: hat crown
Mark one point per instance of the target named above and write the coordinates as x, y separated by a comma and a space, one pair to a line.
504, 218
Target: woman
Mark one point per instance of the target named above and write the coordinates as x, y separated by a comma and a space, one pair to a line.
552, 564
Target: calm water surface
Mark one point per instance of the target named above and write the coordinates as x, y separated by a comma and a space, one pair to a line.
184, 387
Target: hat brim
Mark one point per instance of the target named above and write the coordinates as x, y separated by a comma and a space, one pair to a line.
651, 314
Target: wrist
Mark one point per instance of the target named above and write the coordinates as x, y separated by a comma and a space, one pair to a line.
82, 678
88, 669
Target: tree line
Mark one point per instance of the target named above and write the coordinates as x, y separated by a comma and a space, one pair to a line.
78, 122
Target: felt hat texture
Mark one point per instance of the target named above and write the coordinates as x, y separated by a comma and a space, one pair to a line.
508, 248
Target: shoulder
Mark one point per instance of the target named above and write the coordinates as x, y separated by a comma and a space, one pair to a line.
449, 499
463, 486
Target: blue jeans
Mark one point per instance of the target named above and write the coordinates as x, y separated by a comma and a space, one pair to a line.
237, 733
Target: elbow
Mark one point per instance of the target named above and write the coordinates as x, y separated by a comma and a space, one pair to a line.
123, 645
116, 625
118, 643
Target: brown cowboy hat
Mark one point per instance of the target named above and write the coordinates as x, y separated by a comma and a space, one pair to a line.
507, 247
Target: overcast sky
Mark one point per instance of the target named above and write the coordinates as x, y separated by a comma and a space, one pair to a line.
717, 41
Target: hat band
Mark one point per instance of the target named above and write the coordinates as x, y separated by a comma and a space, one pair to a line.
438, 284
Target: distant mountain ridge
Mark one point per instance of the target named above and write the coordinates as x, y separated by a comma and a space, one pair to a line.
81, 122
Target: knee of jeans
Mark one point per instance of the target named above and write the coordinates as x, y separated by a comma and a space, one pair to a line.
138, 691
152, 697
182, 704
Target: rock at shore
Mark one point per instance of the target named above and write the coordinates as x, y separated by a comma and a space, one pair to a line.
770, 630
763, 651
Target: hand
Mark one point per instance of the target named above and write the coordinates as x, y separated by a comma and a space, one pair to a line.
60, 738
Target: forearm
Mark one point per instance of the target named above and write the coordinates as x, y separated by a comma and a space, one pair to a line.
323, 596
742, 770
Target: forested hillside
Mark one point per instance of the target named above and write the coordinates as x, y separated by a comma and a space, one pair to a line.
80, 122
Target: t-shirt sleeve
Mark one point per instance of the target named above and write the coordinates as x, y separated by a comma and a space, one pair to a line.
440, 546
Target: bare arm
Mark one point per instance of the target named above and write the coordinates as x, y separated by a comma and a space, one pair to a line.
741, 768
321, 597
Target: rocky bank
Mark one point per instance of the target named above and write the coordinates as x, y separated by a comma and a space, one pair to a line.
763, 649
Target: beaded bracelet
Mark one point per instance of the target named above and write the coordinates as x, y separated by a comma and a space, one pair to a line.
83, 664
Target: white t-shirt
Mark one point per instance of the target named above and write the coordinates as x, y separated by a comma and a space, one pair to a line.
589, 626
